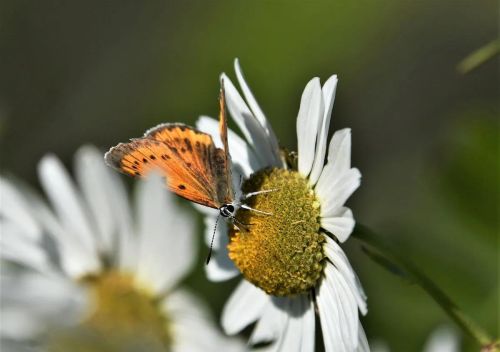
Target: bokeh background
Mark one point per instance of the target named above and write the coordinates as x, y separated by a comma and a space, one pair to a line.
425, 136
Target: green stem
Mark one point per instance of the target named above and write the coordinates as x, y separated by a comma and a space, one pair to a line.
388, 257
479, 57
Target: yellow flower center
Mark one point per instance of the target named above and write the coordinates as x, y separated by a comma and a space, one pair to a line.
281, 253
125, 318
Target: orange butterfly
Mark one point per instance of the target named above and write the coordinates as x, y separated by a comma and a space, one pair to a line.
194, 167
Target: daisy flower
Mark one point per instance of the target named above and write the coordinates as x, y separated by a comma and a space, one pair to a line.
442, 339
90, 273
291, 261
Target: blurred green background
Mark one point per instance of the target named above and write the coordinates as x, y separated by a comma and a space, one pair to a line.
425, 137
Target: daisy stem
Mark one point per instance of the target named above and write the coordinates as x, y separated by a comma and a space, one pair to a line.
388, 257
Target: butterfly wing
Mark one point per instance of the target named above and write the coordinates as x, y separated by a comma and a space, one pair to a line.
226, 195
185, 156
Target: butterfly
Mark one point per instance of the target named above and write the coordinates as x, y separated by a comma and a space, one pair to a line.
194, 168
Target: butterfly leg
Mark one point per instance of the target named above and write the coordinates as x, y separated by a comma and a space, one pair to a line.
251, 194
244, 206
244, 226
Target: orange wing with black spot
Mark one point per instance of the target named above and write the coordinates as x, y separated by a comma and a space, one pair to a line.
194, 168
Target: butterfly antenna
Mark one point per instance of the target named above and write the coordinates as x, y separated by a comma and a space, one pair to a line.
212, 241
251, 194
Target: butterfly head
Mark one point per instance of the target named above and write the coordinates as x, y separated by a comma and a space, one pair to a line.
228, 210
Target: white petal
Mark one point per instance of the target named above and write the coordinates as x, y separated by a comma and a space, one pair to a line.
192, 326
334, 195
66, 202
220, 267
220, 236
340, 225
74, 259
443, 339
253, 132
15, 208
17, 248
299, 333
166, 248
338, 258
126, 230
243, 307
377, 345
308, 328
72, 229
362, 341
32, 303
257, 112
308, 122
271, 324
329, 315
93, 178
339, 155
339, 159
328, 90
241, 153
10, 345
348, 310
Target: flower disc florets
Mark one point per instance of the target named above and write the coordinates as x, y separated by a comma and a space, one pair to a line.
123, 315
281, 253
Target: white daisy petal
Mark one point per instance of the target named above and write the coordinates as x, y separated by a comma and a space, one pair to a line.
348, 310
328, 90
220, 236
189, 315
71, 229
328, 315
363, 345
32, 303
339, 157
165, 239
443, 339
220, 267
75, 260
241, 153
15, 345
308, 328
14, 208
340, 225
14, 246
338, 191
270, 325
338, 311
126, 232
338, 258
243, 307
293, 338
248, 124
308, 122
257, 111
67, 203
92, 176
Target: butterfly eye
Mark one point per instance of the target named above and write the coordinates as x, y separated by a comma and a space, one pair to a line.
227, 210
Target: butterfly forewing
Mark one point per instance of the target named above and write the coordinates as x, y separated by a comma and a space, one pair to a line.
226, 194
188, 158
